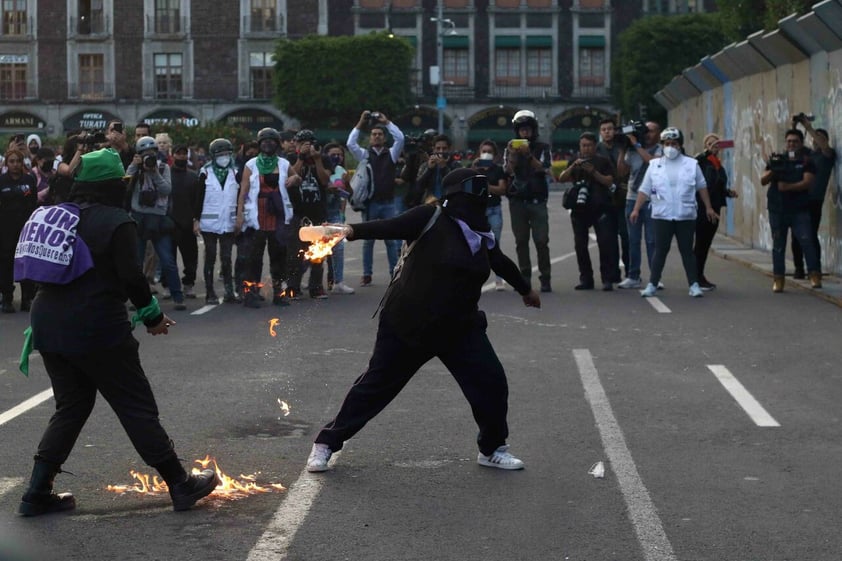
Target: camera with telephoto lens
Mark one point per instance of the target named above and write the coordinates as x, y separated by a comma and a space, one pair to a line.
584, 191
150, 161
417, 142
92, 138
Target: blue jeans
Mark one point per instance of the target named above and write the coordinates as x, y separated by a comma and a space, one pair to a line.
336, 260
377, 210
799, 222
169, 269
636, 233
495, 219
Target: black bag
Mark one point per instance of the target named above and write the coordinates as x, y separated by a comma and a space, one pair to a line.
568, 200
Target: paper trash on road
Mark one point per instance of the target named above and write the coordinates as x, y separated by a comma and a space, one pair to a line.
597, 470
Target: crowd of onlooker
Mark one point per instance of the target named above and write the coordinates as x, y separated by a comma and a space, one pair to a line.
255, 195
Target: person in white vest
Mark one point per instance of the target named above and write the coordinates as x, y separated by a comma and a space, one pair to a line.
671, 183
218, 193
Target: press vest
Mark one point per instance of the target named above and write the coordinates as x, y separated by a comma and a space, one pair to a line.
672, 202
250, 205
219, 210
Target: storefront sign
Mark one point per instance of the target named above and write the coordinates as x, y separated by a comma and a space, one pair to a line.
20, 121
171, 117
253, 119
89, 119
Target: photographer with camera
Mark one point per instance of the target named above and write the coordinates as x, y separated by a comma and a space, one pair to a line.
609, 146
789, 177
18, 198
428, 186
824, 157
383, 161
115, 137
498, 185
416, 152
149, 190
671, 184
639, 145
526, 161
592, 176
309, 202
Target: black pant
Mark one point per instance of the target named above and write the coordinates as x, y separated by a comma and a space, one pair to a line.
683, 230
297, 265
705, 231
117, 374
815, 221
9, 234
226, 243
185, 241
253, 243
604, 223
472, 362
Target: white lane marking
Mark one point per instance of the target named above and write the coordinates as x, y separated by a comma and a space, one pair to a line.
3, 371
204, 309
659, 306
274, 544
750, 405
25, 406
490, 286
644, 516
9, 483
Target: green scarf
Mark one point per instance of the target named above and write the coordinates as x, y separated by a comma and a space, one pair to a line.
266, 164
221, 174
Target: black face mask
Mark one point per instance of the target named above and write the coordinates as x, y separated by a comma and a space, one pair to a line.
468, 208
180, 164
269, 147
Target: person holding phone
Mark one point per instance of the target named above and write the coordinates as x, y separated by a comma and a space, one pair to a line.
487, 164
717, 182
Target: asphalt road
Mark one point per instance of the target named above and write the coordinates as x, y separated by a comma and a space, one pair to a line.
717, 421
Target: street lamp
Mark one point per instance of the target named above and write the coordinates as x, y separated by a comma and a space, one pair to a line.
443, 27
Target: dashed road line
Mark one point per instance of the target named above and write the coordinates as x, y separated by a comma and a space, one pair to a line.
659, 306
747, 401
644, 516
204, 309
25, 406
490, 286
9, 483
274, 544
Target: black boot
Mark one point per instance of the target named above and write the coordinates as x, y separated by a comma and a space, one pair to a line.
185, 489
39, 497
8, 306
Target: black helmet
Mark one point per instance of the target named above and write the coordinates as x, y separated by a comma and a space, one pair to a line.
466, 180
219, 146
525, 118
305, 135
269, 133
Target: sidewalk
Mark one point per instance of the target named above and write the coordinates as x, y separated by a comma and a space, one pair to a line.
760, 260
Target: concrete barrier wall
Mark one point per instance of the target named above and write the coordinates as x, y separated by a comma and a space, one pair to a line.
755, 111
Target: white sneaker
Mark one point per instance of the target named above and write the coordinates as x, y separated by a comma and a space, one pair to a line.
341, 288
696, 290
630, 283
500, 285
319, 457
661, 285
650, 290
500, 459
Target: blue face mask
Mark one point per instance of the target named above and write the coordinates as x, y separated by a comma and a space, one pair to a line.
335, 159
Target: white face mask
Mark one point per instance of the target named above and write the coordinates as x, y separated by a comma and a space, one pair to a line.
222, 161
671, 152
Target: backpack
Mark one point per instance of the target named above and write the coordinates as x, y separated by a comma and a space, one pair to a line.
362, 184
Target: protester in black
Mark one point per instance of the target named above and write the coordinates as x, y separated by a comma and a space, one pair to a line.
430, 310
185, 210
18, 198
84, 337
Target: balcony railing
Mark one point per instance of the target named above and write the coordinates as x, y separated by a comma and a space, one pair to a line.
590, 92
151, 91
91, 25
459, 92
263, 26
88, 92
18, 91
523, 92
166, 24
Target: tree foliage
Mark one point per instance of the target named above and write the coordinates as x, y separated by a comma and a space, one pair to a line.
655, 49
329, 81
741, 18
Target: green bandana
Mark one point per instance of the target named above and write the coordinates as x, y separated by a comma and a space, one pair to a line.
221, 174
152, 310
266, 164
101, 165
26, 351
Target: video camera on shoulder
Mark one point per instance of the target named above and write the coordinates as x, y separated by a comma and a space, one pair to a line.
94, 138
414, 143
803, 118
637, 128
779, 163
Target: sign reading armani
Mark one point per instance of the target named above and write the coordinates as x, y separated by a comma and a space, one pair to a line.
171, 117
18, 121
253, 119
89, 119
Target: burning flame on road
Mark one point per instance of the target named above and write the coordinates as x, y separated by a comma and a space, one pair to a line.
284, 406
229, 488
251, 286
272, 323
